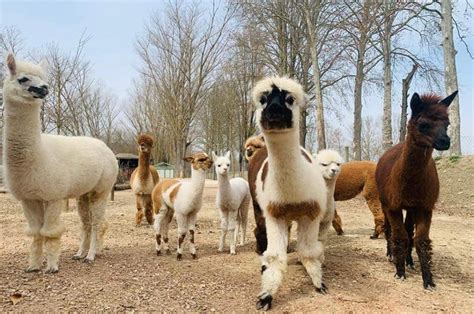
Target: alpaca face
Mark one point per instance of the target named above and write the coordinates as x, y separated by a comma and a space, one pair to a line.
25, 82
222, 163
145, 144
252, 145
278, 101
430, 120
199, 161
329, 162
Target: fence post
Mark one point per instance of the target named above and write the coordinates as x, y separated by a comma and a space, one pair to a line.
346, 153
112, 193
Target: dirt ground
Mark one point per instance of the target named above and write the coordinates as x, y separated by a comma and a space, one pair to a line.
130, 277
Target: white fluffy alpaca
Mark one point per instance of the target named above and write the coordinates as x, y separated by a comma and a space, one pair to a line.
232, 201
42, 170
289, 186
183, 197
329, 162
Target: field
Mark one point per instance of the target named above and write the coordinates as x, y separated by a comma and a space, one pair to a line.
130, 277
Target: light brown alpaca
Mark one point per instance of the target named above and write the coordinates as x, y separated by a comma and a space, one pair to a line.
358, 177
143, 180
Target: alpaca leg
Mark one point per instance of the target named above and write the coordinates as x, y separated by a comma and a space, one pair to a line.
182, 221
243, 222
34, 213
224, 222
388, 235
159, 226
376, 209
192, 227
98, 204
52, 230
423, 246
311, 251
233, 230
399, 241
101, 236
409, 227
260, 231
139, 213
337, 224
148, 204
83, 207
166, 224
274, 261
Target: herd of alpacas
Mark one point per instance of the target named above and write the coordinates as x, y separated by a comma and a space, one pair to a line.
285, 184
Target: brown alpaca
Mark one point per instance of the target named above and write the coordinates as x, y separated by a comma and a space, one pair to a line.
407, 179
143, 180
252, 144
359, 177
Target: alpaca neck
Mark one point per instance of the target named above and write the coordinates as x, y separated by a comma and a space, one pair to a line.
22, 133
144, 166
224, 185
331, 185
414, 158
284, 153
198, 178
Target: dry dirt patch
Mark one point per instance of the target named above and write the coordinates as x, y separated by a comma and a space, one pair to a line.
130, 277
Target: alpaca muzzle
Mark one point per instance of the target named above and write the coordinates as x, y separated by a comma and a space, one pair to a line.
39, 92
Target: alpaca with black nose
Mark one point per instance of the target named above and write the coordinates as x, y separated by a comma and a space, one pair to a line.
407, 180
286, 184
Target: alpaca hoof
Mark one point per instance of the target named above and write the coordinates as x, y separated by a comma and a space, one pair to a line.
194, 256
411, 265
158, 252
429, 285
220, 249
401, 277
232, 253
264, 302
374, 236
88, 260
323, 289
32, 269
51, 270
77, 257
179, 257
389, 257
340, 233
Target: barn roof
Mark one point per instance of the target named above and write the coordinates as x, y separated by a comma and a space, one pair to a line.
126, 156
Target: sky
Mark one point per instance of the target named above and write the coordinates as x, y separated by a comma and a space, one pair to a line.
114, 26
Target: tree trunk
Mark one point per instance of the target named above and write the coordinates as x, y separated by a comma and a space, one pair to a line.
450, 76
403, 115
359, 80
387, 79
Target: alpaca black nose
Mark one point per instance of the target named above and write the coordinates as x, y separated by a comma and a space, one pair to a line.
442, 143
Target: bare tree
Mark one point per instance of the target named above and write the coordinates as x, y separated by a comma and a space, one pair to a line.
180, 52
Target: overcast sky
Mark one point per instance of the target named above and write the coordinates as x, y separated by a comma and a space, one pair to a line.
115, 25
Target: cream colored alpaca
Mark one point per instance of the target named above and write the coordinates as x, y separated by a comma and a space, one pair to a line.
232, 201
329, 162
183, 197
288, 186
43, 170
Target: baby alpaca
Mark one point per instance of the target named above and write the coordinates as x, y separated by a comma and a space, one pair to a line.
143, 180
233, 198
43, 170
183, 197
329, 162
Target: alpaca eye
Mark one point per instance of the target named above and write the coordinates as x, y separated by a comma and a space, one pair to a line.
424, 127
324, 165
263, 99
290, 100
338, 164
23, 80
228, 165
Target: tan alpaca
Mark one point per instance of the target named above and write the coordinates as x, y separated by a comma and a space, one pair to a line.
356, 177
143, 180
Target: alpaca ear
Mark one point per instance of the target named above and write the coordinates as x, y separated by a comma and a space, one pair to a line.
44, 64
11, 64
188, 159
416, 105
214, 156
447, 101
227, 155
